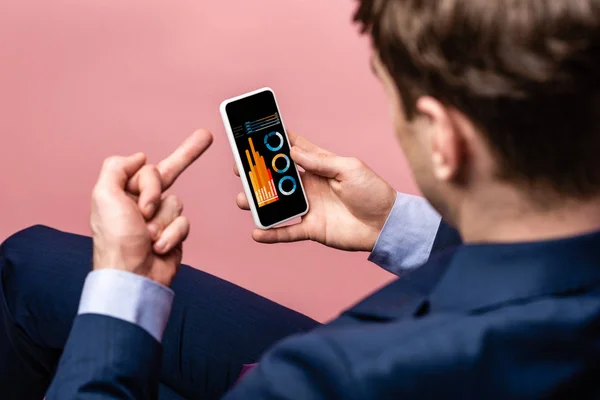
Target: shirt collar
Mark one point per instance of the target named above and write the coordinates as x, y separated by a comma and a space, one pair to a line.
487, 275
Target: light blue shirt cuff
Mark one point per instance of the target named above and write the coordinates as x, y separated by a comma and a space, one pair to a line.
407, 237
129, 297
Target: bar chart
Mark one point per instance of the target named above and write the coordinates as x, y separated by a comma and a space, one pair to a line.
261, 177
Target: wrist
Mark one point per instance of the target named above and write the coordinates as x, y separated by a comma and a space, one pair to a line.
121, 260
368, 238
378, 224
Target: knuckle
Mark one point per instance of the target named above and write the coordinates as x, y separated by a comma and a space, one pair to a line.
164, 170
149, 171
100, 194
112, 162
95, 193
185, 227
355, 163
323, 159
185, 222
174, 202
323, 156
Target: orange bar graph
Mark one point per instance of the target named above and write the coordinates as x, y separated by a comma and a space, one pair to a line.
261, 178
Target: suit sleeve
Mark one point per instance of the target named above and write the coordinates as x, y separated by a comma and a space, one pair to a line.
113, 350
107, 358
306, 367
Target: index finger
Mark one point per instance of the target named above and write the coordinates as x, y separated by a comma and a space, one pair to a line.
304, 143
188, 152
172, 166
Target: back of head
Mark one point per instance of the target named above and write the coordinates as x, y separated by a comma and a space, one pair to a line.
525, 73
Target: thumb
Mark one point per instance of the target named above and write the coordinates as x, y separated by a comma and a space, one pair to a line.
324, 164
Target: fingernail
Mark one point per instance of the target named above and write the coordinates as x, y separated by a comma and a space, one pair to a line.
161, 245
153, 229
150, 209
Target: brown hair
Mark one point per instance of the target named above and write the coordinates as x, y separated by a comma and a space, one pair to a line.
526, 72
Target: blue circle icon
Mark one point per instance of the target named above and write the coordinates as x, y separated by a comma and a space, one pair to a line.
268, 135
287, 178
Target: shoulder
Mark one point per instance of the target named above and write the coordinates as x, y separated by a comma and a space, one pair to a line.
522, 349
379, 349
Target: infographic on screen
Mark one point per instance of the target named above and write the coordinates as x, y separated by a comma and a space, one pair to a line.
265, 153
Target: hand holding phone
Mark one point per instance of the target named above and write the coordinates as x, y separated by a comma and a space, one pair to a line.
261, 150
349, 201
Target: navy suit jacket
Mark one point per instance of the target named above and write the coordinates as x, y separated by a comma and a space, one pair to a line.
477, 321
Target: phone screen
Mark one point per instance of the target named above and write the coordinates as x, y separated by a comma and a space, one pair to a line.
265, 153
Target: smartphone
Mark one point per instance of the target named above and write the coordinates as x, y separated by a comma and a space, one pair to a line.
261, 150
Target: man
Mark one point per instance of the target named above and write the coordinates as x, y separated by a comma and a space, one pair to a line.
495, 107
214, 327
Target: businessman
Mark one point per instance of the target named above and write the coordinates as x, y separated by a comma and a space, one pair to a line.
215, 327
495, 106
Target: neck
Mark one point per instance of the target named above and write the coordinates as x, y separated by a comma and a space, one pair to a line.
504, 215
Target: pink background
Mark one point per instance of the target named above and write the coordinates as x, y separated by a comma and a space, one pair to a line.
81, 80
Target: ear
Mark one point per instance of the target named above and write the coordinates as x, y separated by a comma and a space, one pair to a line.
446, 142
